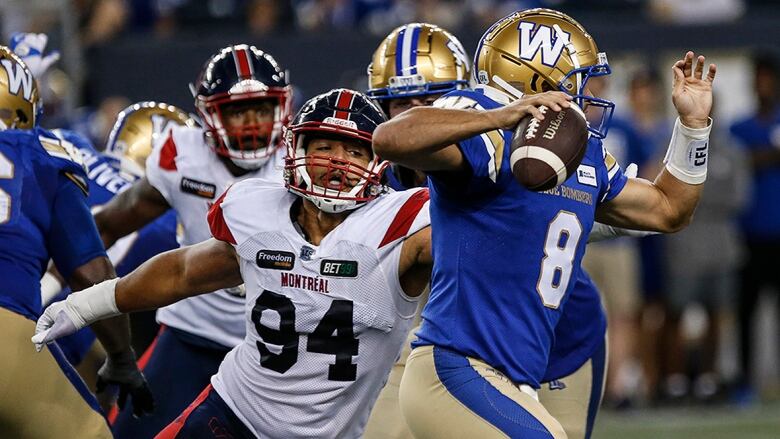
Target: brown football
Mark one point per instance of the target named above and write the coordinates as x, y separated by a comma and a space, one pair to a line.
544, 153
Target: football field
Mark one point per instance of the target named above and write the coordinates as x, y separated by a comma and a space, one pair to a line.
691, 423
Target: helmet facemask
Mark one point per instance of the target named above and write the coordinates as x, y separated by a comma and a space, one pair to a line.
248, 144
342, 184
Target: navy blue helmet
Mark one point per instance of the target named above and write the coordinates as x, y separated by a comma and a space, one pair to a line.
244, 99
337, 114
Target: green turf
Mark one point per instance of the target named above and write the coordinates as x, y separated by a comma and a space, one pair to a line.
691, 423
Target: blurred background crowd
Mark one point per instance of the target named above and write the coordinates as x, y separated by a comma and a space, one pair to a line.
693, 316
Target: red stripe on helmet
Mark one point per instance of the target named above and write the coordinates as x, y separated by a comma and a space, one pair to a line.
344, 101
243, 66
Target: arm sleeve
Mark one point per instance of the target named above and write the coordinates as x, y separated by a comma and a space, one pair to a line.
73, 238
484, 153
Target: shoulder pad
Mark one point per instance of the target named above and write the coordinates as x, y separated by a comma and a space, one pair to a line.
62, 149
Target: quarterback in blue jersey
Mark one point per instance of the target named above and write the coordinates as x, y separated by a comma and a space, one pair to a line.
575, 369
504, 256
43, 215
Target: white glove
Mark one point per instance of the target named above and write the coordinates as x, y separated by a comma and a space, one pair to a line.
77, 311
30, 47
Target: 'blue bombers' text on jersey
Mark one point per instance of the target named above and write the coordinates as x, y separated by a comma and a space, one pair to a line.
580, 330
43, 215
505, 257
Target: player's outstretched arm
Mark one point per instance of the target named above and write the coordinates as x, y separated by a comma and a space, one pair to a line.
129, 211
424, 138
667, 204
164, 279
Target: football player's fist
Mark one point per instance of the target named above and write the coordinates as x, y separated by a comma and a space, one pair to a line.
509, 116
692, 92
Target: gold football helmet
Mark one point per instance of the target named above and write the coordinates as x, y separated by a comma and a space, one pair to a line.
417, 59
135, 130
537, 50
20, 102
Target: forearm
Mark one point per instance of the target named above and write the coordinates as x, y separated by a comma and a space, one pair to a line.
161, 281
114, 334
419, 133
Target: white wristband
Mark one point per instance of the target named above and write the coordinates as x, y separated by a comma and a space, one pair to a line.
92, 304
686, 158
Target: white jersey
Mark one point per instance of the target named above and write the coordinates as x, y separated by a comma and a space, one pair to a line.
190, 176
324, 323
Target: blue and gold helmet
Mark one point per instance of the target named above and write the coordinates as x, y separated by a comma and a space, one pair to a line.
537, 50
136, 129
417, 59
20, 101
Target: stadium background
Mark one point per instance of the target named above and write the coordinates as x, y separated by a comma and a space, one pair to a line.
115, 52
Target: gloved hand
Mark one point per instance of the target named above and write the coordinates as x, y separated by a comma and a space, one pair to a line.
80, 309
57, 321
30, 47
121, 370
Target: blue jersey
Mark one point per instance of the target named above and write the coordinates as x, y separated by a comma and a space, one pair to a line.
43, 215
505, 257
580, 330
105, 181
761, 218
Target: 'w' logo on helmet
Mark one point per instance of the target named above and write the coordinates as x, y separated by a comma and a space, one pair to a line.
19, 78
543, 38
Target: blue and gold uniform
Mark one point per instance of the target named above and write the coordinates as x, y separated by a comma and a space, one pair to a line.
105, 180
43, 215
505, 259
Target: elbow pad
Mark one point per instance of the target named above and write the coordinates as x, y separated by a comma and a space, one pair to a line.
686, 158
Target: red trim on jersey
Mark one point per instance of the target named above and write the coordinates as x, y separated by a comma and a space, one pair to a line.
113, 412
168, 154
345, 98
173, 429
405, 217
217, 225
242, 64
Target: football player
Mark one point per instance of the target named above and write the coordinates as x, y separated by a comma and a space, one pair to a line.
482, 350
110, 173
43, 215
574, 376
332, 265
243, 99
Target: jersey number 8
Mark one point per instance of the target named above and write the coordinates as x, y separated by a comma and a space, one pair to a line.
560, 247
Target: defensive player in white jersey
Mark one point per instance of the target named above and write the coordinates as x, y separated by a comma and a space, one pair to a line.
243, 99
332, 266
488, 327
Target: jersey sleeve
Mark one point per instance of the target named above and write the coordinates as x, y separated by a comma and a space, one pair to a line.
230, 217
615, 177
65, 156
484, 152
73, 238
161, 170
412, 216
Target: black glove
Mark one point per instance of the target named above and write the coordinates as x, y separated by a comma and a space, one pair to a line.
121, 370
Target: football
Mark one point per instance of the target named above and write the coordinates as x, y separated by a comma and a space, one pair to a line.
544, 153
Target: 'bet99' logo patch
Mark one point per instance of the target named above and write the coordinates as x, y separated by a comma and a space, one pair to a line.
337, 268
